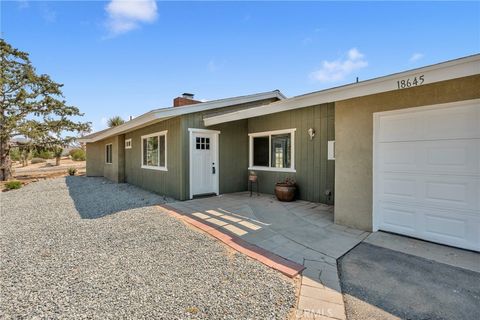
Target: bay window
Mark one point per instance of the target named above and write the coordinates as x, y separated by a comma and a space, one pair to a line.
272, 150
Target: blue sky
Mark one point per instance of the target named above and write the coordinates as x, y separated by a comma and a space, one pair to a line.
126, 58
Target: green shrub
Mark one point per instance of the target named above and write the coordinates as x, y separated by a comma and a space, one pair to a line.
44, 154
77, 155
38, 160
13, 184
71, 171
15, 154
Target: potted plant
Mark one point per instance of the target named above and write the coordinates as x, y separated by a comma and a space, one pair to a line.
72, 171
286, 190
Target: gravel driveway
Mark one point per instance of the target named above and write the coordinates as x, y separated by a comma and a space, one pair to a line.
81, 247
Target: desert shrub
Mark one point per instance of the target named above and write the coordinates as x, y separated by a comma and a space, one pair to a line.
15, 154
77, 155
13, 184
44, 154
37, 160
71, 171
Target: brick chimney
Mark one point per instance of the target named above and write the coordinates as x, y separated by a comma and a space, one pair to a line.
184, 100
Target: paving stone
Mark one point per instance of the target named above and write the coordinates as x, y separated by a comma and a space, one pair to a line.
324, 294
317, 306
216, 221
235, 230
200, 215
231, 218
250, 225
311, 282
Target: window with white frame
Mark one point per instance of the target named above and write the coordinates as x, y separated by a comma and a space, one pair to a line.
128, 144
154, 151
108, 153
272, 150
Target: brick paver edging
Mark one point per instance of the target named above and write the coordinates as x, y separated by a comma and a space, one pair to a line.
285, 266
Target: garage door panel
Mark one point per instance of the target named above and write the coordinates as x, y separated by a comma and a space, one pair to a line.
397, 218
397, 156
452, 227
445, 227
451, 123
440, 157
427, 173
454, 192
399, 188
399, 128
452, 156
435, 191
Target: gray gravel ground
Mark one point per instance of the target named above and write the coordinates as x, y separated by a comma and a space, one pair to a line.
81, 247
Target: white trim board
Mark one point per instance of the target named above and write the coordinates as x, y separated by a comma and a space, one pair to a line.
269, 134
453, 69
216, 134
166, 113
156, 134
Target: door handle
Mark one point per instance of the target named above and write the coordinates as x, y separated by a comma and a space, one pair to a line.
213, 168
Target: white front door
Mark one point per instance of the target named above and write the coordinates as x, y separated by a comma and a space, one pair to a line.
203, 162
427, 173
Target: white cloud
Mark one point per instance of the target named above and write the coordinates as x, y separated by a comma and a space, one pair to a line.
126, 15
416, 56
215, 65
337, 70
23, 4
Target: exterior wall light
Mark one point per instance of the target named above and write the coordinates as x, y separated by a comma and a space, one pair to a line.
311, 133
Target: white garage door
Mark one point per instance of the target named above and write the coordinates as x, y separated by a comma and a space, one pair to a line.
427, 173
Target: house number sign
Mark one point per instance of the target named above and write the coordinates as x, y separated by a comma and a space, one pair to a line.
410, 82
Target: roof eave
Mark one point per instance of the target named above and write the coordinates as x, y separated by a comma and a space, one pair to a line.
167, 113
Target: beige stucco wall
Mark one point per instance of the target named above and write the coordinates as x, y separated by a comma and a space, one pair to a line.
354, 141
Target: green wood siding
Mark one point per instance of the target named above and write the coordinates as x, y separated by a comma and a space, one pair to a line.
233, 147
314, 173
233, 153
167, 183
96, 166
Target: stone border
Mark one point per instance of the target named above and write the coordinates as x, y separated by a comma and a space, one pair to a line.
285, 266
320, 292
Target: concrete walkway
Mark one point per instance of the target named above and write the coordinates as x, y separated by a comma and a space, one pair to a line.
300, 231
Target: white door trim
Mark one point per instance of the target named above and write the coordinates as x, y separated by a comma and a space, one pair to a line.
216, 133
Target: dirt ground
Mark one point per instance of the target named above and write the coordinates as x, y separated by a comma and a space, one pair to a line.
45, 170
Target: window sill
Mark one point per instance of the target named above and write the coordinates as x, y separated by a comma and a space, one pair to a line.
155, 168
108, 162
273, 169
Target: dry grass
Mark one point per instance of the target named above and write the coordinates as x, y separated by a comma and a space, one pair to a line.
45, 170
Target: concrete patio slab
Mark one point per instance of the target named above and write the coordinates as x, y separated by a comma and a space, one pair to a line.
460, 258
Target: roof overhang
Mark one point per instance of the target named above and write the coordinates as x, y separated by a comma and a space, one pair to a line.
453, 69
167, 113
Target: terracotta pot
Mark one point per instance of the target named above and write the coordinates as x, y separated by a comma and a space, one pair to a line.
285, 192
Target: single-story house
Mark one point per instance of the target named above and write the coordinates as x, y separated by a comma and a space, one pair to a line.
399, 153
